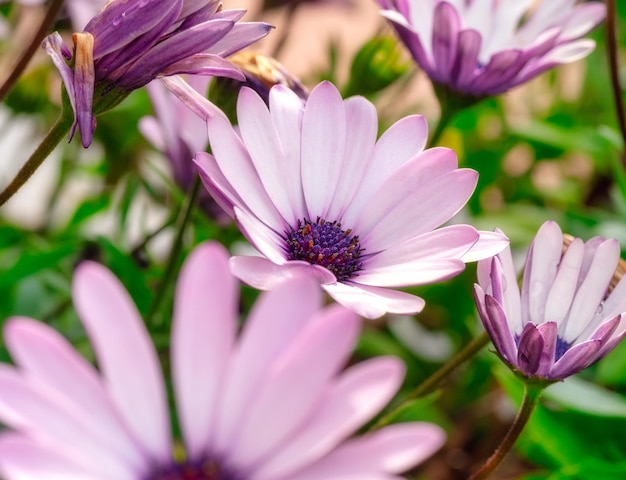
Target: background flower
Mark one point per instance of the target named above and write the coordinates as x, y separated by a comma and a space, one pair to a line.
129, 43
566, 318
271, 403
486, 47
313, 190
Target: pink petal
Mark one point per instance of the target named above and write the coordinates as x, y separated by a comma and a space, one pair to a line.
409, 274
125, 355
362, 118
197, 102
277, 318
351, 400
582, 20
542, 262
446, 26
393, 449
487, 245
414, 214
286, 109
261, 273
373, 302
412, 176
205, 320
401, 142
592, 290
266, 240
323, 148
216, 183
576, 358
561, 294
30, 408
50, 359
22, 458
235, 163
497, 325
466, 62
270, 161
292, 385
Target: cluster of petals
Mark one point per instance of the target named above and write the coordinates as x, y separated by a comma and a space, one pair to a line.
321, 162
486, 47
570, 312
270, 403
131, 42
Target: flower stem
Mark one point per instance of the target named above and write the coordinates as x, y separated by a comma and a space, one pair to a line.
286, 30
532, 392
444, 120
612, 52
181, 226
58, 131
44, 28
471, 349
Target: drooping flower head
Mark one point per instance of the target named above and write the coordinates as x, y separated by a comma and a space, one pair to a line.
269, 404
131, 42
312, 189
570, 312
486, 47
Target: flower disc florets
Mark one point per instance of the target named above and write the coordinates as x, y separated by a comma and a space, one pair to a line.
326, 244
202, 470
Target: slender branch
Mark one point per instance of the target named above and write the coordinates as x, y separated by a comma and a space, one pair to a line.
181, 226
471, 349
54, 137
35, 44
531, 399
286, 30
612, 53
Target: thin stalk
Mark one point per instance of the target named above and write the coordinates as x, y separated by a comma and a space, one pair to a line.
286, 30
467, 352
442, 124
612, 53
181, 226
54, 137
35, 44
531, 399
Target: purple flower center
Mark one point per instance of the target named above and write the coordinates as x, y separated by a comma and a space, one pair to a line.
199, 470
326, 244
561, 347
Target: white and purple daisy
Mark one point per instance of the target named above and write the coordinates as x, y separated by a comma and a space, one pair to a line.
569, 314
271, 403
312, 189
131, 42
486, 47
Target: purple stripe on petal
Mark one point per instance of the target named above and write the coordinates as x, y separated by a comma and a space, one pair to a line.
466, 61
530, 349
204, 64
575, 359
446, 25
175, 48
548, 331
120, 23
497, 326
114, 65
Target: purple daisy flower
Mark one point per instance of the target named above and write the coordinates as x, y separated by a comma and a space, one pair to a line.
570, 311
131, 42
486, 47
271, 403
312, 189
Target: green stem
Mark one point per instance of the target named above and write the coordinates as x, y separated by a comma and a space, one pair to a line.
532, 393
56, 134
442, 124
289, 16
471, 349
172, 261
612, 53
35, 44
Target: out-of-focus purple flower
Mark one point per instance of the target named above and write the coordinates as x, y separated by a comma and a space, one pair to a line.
179, 133
131, 42
486, 47
272, 4
273, 403
313, 191
569, 314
